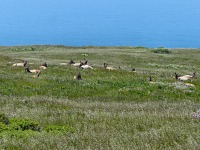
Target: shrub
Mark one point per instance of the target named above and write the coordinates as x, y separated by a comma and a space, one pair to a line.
3, 118
58, 129
3, 127
23, 124
161, 51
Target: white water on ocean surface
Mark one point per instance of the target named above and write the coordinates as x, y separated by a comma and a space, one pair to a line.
149, 23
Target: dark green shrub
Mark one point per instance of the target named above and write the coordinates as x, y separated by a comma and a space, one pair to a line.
3, 118
23, 124
161, 51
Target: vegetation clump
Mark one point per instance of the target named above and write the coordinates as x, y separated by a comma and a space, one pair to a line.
3, 118
161, 50
3, 127
18, 124
23, 124
58, 129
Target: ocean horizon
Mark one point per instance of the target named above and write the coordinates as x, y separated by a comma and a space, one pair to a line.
153, 23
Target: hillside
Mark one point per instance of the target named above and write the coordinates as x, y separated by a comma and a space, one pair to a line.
107, 109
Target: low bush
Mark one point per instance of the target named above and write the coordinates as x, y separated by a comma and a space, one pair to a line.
3, 118
3, 127
23, 124
15, 125
161, 51
58, 129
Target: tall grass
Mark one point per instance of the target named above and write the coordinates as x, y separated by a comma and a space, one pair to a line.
107, 109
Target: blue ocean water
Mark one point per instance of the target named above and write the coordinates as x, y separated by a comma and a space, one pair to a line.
149, 23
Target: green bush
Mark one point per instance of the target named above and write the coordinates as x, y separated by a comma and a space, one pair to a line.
161, 51
3, 118
3, 127
23, 124
58, 129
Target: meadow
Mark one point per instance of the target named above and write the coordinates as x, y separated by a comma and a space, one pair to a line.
107, 109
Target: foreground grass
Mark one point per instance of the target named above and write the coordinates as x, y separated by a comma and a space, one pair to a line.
107, 109
107, 125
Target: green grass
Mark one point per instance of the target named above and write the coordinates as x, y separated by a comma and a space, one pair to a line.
107, 109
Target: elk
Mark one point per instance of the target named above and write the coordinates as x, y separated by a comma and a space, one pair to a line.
109, 68
36, 75
191, 76
32, 70
190, 84
43, 66
22, 64
78, 76
85, 62
150, 79
84, 65
72, 63
184, 77
133, 70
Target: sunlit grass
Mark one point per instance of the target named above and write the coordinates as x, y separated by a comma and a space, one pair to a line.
117, 109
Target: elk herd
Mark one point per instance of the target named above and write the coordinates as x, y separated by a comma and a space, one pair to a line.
36, 72
84, 65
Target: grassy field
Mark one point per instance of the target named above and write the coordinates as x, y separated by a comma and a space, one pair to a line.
107, 109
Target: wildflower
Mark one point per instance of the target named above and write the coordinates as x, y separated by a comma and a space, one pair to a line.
196, 115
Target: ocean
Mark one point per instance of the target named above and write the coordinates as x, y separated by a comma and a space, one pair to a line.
148, 23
